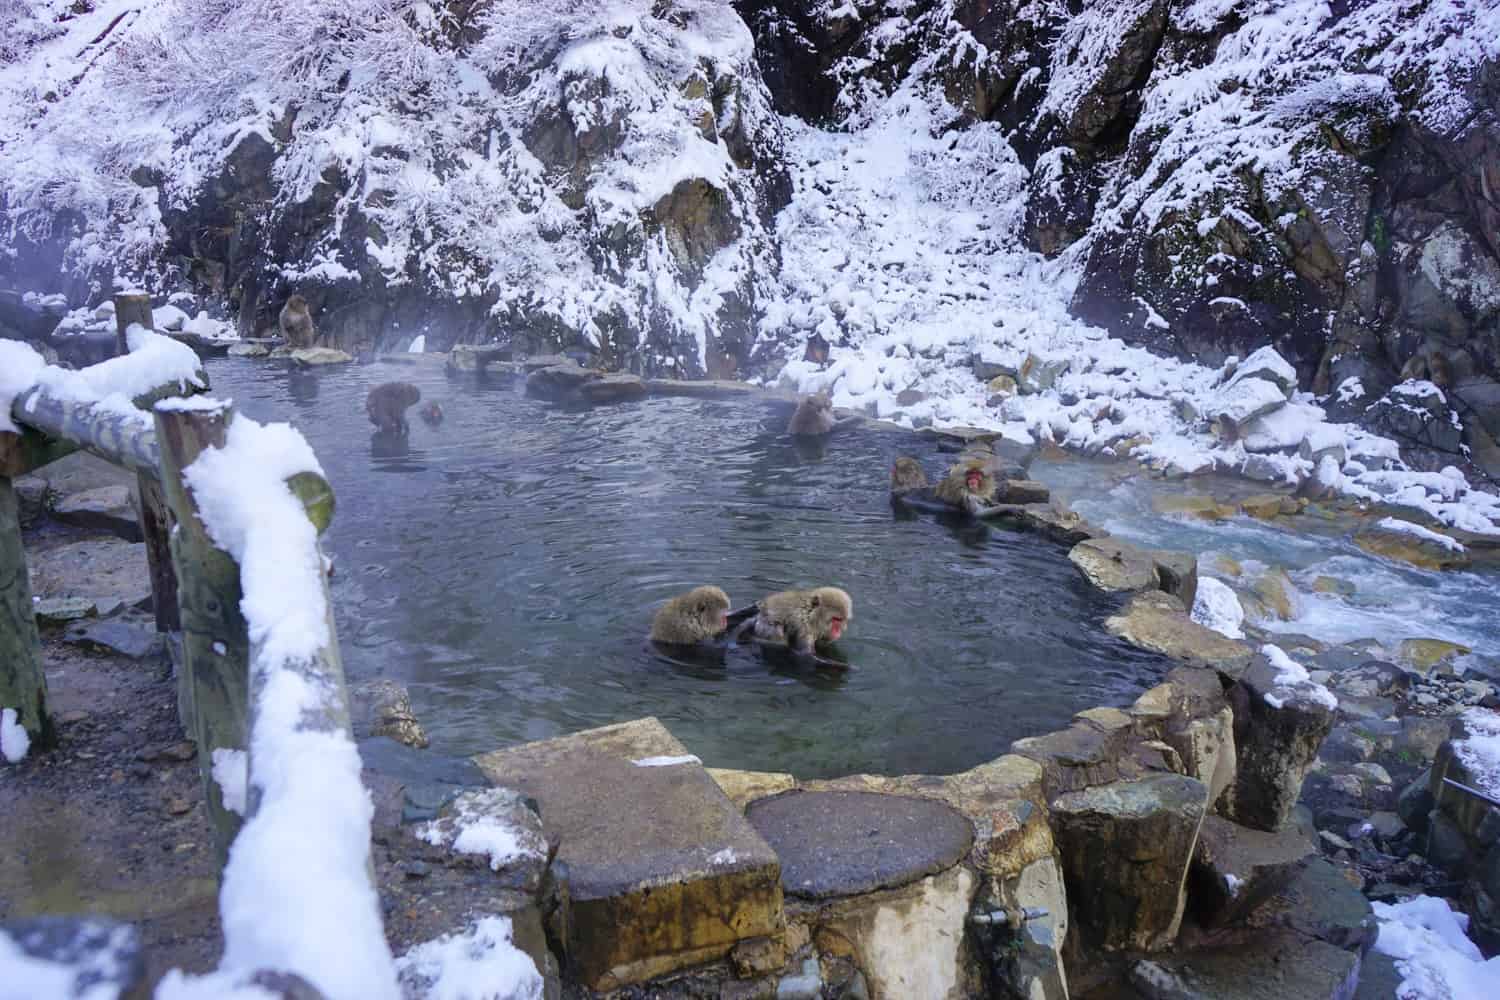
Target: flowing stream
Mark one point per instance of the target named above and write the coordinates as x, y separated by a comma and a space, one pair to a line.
506, 567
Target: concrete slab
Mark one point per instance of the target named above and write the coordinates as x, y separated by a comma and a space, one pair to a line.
660, 868
1276, 966
848, 843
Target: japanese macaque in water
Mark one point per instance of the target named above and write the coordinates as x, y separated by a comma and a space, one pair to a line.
431, 414
969, 486
814, 417
910, 490
801, 619
296, 323
698, 617
387, 405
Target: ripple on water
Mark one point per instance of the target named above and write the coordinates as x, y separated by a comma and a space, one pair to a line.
506, 566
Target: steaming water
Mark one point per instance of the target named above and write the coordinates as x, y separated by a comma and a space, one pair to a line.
506, 567
1391, 601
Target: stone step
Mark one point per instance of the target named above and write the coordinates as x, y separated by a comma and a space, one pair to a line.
661, 870
1320, 902
1280, 965
1236, 868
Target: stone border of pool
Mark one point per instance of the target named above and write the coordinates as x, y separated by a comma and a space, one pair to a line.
1090, 842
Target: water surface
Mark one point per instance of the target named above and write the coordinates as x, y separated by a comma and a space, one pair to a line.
506, 566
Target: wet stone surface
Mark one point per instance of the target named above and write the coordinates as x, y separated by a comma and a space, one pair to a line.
846, 843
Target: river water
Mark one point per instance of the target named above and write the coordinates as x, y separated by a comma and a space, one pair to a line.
506, 565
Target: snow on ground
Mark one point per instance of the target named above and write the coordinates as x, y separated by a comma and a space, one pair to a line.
1480, 752
94, 976
1436, 959
479, 963
902, 243
14, 740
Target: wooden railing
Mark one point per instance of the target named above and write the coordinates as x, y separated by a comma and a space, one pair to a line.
196, 584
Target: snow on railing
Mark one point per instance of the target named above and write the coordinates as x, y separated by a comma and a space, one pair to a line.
261, 687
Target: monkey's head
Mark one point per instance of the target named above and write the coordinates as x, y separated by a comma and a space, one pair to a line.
817, 350
977, 479
407, 394
818, 402
831, 611
710, 606
296, 303
907, 475
431, 414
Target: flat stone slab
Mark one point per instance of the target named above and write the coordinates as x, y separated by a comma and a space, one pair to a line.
1236, 868
849, 843
1111, 564
662, 870
135, 640
82, 471
1321, 903
110, 571
1277, 966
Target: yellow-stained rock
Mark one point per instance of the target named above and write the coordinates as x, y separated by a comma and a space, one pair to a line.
1424, 654
662, 870
1265, 506
1399, 543
744, 787
1205, 507
1277, 592
1333, 585
1158, 622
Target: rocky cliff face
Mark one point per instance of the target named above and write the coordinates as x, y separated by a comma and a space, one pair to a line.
1323, 178
597, 181
1220, 174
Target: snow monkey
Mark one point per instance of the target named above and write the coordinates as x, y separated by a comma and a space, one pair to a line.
296, 323
387, 405
431, 414
803, 618
907, 475
814, 417
969, 485
697, 617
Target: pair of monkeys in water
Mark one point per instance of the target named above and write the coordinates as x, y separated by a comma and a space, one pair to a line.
796, 620
969, 486
386, 406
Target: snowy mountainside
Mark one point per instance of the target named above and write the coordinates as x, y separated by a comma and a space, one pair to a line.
476, 169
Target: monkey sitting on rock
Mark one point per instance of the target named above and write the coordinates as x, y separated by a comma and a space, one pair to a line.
387, 404
296, 324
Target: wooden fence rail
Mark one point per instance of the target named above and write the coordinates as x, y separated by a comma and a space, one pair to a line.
195, 585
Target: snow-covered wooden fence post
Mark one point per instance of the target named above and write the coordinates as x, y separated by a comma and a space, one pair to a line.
134, 308
23, 686
214, 685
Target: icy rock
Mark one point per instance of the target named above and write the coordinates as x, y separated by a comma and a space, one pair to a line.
312, 357
168, 318
1037, 374
1269, 366
1242, 402
249, 351
1409, 542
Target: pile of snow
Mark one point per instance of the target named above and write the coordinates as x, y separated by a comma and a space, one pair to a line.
290, 900
479, 822
1480, 751
1217, 607
1432, 951
667, 761
95, 974
477, 962
14, 740
1293, 678
168, 318
20, 365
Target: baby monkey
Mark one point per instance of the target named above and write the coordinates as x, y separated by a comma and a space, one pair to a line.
697, 617
387, 404
431, 414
